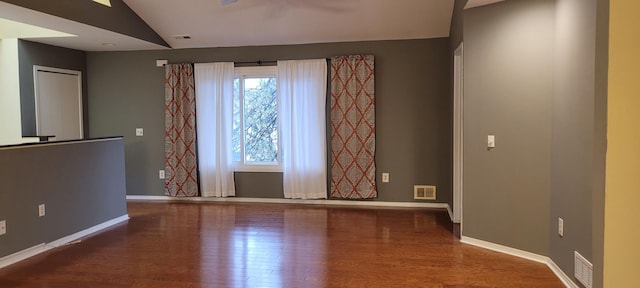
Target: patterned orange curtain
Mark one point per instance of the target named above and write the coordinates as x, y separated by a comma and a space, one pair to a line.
353, 134
181, 171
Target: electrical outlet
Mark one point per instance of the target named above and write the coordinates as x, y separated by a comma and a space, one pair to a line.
161, 174
560, 227
3, 227
385, 177
41, 210
139, 132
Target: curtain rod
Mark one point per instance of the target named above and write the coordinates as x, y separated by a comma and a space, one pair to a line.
262, 62
259, 62
162, 62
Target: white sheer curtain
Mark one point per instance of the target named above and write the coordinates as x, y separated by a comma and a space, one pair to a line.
214, 108
302, 89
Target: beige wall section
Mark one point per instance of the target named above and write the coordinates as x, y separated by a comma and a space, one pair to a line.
622, 234
508, 64
10, 125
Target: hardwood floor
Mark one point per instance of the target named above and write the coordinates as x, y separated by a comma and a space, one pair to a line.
274, 245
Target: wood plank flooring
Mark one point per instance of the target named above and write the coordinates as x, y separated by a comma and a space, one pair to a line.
169, 244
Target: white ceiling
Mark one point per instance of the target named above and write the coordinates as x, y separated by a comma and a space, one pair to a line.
271, 22
248, 22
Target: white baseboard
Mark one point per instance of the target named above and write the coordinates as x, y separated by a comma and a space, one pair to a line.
88, 231
294, 201
41, 248
505, 249
22, 255
566, 280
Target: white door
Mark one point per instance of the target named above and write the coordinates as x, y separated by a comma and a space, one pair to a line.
58, 95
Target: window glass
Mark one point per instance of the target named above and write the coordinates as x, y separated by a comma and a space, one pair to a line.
255, 117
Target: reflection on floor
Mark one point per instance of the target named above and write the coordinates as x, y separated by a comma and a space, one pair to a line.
169, 244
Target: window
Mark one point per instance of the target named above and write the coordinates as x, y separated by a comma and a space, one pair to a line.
255, 140
275, 120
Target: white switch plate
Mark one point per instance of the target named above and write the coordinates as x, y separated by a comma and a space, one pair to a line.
385, 177
560, 227
41, 210
491, 141
3, 227
161, 174
161, 62
139, 132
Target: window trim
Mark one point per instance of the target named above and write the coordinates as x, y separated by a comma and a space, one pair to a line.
257, 72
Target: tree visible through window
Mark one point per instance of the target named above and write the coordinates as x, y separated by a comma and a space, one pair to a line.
255, 117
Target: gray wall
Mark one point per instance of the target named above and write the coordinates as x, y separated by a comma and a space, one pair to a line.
413, 110
562, 126
256, 184
572, 142
117, 18
579, 133
32, 53
508, 62
81, 183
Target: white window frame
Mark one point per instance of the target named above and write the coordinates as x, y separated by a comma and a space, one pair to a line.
257, 72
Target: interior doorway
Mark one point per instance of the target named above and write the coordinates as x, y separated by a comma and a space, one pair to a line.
58, 101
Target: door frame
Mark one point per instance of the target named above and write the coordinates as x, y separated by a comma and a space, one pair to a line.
458, 133
38, 68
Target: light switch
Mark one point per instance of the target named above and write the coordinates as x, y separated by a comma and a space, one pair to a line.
139, 132
491, 141
161, 63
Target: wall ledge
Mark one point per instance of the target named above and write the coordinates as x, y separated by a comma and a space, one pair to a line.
566, 280
41, 248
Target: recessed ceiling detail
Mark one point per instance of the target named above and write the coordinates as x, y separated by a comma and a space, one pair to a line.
89, 38
13, 29
227, 2
476, 3
104, 2
118, 19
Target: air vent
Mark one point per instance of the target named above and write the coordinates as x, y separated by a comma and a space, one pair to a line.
424, 192
583, 270
182, 37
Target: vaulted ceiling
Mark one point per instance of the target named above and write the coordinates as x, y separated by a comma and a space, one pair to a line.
267, 22
162, 24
